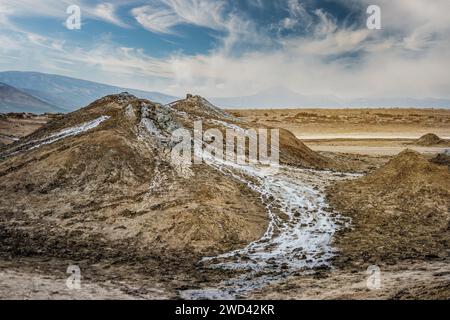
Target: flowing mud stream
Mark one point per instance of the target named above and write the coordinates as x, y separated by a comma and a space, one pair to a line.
298, 237
69, 132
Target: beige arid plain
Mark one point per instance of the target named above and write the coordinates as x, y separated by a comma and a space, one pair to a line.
384, 131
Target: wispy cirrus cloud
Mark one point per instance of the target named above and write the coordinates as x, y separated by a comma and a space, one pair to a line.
103, 11
156, 19
107, 12
163, 16
297, 15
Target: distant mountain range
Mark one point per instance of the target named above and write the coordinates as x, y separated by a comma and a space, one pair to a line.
63, 94
14, 100
39, 93
278, 98
284, 98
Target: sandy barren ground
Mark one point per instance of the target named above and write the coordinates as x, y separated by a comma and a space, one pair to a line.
411, 280
14, 126
354, 123
358, 131
32, 278
374, 147
20, 285
46, 279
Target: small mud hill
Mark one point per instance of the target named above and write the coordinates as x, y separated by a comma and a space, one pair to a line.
199, 107
430, 139
292, 151
99, 183
400, 211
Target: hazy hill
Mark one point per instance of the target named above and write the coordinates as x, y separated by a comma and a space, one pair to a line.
12, 100
69, 93
279, 97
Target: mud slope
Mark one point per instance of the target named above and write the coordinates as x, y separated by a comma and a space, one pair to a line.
292, 150
400, 211
99, 183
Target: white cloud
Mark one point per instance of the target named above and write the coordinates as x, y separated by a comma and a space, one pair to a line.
297, 15
104, 11
161, 17
156, 19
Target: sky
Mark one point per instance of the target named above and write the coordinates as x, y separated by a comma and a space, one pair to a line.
220, 48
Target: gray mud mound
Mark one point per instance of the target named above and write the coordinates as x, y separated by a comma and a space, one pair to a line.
429, 139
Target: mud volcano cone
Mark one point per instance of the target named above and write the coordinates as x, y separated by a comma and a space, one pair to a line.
429, 139
400, 211
99, 183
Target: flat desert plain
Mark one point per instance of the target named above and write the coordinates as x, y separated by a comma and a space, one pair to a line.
375, 132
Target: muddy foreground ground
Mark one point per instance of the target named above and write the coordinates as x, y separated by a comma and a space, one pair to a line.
36, 278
